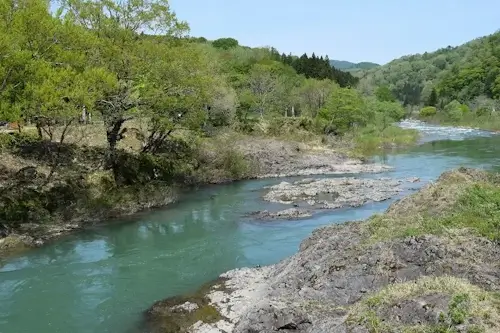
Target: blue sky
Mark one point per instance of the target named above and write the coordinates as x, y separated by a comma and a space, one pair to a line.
354, 30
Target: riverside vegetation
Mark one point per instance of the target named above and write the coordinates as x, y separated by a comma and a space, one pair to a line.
107, 120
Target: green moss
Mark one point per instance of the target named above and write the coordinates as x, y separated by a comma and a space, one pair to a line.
207, 314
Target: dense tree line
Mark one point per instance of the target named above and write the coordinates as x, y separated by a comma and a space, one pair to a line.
97, 57
316, 67
469, 74
154, 100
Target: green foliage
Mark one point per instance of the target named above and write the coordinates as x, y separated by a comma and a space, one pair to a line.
391, 111
16, 140
433, 98
454, 111
384, 94
458, 308
225, 43
311, 96
234, 163
344, 109
462, 73
378, 136
428, 111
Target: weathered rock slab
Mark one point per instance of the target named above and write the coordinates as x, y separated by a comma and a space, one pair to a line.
331, 193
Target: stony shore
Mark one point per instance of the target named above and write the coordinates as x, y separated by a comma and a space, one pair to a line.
345, 279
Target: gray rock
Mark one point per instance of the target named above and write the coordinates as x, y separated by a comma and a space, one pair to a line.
290, 213
187, 306
332, 193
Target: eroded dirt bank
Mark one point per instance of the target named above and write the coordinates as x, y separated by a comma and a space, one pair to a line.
417, 268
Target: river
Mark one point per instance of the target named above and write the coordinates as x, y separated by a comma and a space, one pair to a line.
100, 280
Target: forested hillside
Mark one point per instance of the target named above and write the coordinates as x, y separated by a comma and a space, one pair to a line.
106, 114
468, 74
352, 66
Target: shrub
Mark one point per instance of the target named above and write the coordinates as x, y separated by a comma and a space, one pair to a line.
16, 139
454, 110
428, 111
465, 109
482, 111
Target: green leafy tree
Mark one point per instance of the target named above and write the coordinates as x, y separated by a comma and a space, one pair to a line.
384, 94
225, 43
117, 27
344, 109
454, 110
177, 85
266, 87
312, 95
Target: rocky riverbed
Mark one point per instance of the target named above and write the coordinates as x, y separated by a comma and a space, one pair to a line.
310, 195
345, 279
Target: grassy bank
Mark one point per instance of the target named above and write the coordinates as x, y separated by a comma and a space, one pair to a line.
461, 207
490, 122
459, 200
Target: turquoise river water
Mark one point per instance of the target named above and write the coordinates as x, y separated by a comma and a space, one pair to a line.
102, 279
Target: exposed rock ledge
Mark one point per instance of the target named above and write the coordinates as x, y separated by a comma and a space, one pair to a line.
314, 290
340, 281
333, 192
309, 195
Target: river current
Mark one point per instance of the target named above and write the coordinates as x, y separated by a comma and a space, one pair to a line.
102, 279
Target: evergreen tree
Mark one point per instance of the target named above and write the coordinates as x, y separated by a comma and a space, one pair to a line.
433, 98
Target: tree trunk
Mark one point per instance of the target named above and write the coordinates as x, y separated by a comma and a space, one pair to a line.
113, 135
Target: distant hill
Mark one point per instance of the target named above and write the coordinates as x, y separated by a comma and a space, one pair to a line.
348, 66
469, 73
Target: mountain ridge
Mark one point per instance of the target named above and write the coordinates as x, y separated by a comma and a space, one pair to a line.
348, 66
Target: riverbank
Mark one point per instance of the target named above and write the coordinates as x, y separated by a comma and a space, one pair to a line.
428, 264
487, 122
82, 193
